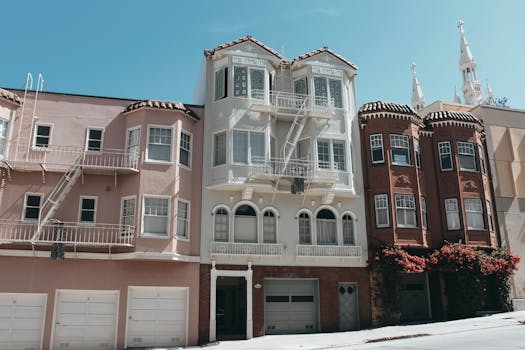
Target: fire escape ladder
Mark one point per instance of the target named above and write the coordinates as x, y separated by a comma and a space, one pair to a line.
294, 133
58, 194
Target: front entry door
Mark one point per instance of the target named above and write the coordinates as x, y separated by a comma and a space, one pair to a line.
348, 314
231, 308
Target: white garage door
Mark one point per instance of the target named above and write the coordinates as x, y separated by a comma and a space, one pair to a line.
22, 320
157, 316
85, 319
290, 306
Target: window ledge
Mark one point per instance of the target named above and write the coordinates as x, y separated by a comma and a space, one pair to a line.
155, 236
182, 166
157, 162
469, 170
182, 238
403, 165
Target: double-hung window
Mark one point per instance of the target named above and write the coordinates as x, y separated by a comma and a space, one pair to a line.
248, 82
381, 210
219, 148
376, 148
32, 204
305, 229
474, 213
88, 209
405, 210
127, 218
467, 158
417, 151
94, 139
445, 156
222, 224
156, 216
221, 83
331, 154
452, 213
489, 216
185, 149
328, 92
183, 219
248, 147
159, 144
42, 135
424, 222
4, 127
481, 160
400, 149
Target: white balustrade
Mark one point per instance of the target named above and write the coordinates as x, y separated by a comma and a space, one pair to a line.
294, 168
292, 101
232, 248
306, 250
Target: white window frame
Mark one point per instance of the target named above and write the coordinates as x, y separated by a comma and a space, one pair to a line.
249, 133
445, 150
225, 77
395, 143
249, 81
6, 137
424, 213
452, 212
328, 92
121, 218
299, 227
352, 217
376, 142
228, 224
331, 165
189, 150
468, 203
86, 146
380, 199
417, 152
466, 149
168, 219
187, 219
405, 202
35, 134
41, 195
490, 217
155, 161
80, 210
214, 148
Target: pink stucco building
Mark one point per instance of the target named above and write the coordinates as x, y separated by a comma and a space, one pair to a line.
99, 231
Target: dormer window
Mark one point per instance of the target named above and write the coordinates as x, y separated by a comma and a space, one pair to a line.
328, 91
248, 82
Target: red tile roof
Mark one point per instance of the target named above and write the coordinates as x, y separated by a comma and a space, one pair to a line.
164, 105
321, 50
452, 115
208, 53
381, 106
9, 96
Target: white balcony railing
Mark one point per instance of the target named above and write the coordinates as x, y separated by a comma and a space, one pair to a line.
65, 156
291, 101
294, 168
68, 233
337, 251
231, 248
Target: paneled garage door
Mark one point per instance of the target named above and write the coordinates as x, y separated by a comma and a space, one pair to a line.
290, 306
22, 320
85, 319
157, 316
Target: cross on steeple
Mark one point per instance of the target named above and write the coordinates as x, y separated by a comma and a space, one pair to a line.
460, 24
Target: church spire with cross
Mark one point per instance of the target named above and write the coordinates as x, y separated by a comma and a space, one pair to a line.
467, 64
418, 101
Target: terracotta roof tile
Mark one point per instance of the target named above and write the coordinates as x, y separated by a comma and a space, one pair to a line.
208, 53
165, 105
452, 115
381, 106
9, 96
321, 50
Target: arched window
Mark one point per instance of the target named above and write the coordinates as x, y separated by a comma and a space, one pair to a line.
245, 224
305, 229
348, 230
326, 227
221, 225
269, 227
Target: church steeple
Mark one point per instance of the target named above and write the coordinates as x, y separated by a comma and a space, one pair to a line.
457, 99
471, 86
418, 101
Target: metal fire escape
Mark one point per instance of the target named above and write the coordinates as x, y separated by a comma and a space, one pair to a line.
294, 133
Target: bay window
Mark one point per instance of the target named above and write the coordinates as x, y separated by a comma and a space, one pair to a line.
159, 144
405, 210
466, 155
4, 126
445, 156
155, 216
376, 148
328, 90
248, 82
381, 210
452, 214
331, 154
474, 213
399, 147
249, 147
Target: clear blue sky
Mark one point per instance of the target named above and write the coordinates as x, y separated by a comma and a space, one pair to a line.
154, 49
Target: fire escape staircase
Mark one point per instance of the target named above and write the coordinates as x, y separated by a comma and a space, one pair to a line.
57, 195
294, 133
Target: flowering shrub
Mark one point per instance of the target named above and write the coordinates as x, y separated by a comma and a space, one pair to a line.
454, 257
395, 259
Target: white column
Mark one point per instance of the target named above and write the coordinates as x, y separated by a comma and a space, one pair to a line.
213, 295
249, 288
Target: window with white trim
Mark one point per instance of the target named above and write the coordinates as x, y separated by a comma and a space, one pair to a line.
219, 148
127, 217
328, 90
269, 227
481, 160
156, 216
489, 216
245, 227
183, 219
326, 227
88, 208
466, 154
159, 144
452, 214
331, 154
445, 156
405, 210
185, 149
4, 127
221, 83
376, 148
417, 151
305, 228
94, 139
400, 149
42, 135
348, 230
32, 204
248, 147
222, 224
381, 210
474, 213
424, 222
248, 80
